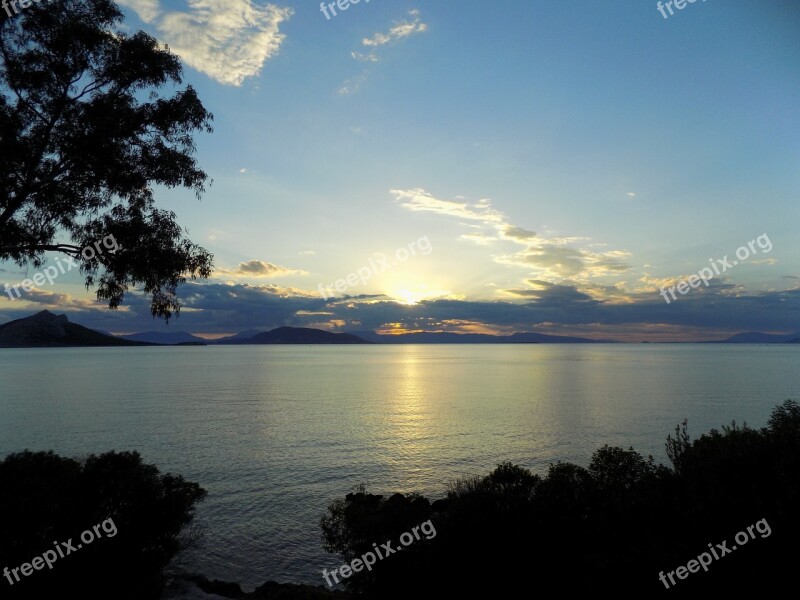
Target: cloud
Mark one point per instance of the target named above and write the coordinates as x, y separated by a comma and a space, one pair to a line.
53, 300
418, 199
511, 232
479, 238
402, 30
213, 307
353, 84
148, 10
228, 40
371, 57
554, 259
260, 268
551, 294
549, 258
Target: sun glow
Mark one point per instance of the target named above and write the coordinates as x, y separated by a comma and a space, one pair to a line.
408, 297
416, 294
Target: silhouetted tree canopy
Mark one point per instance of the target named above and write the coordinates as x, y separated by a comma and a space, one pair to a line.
612, 527
91, 119
45, 498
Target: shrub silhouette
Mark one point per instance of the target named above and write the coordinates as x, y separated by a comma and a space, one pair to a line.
45, 498
613, 526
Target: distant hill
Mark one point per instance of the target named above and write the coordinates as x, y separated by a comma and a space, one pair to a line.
168, 338
303, 335
46, 330
756, 337
474, 338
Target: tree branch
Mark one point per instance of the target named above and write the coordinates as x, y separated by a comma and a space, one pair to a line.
64, 248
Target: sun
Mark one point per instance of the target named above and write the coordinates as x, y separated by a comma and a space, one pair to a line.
408, 297
411, 295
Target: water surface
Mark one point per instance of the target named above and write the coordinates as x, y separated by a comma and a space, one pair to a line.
274, 433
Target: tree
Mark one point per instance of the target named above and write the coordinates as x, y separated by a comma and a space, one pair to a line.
85, 136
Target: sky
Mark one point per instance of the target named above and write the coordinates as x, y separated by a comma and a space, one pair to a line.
482, 167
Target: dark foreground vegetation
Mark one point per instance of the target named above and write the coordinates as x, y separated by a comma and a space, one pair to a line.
45, 498
614, 526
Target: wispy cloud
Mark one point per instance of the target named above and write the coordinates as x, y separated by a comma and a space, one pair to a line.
353, 84
417, 199
228, 40
478, 238
401, 30
371, 57
553, 259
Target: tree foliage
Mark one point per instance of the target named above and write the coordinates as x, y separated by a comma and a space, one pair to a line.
92, 119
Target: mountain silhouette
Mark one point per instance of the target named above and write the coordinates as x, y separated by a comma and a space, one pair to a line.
302, 335
756, 337
46, 330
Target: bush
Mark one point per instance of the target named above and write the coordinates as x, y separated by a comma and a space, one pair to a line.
45, 498
611, 527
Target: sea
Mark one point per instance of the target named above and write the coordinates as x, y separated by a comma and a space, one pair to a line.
276, 433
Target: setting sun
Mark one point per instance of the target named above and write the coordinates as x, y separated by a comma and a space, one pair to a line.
414, 295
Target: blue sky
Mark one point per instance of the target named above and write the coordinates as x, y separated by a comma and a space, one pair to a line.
563, 160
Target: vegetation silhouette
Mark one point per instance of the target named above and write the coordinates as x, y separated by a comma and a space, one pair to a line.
45, 498
86, 133
613, 526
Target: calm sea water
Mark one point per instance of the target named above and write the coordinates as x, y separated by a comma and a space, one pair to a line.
274, 433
